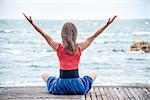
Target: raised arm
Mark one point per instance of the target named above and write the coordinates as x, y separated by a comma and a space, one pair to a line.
49, 40
89, 40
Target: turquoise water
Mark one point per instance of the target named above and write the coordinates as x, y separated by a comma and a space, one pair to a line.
24, 54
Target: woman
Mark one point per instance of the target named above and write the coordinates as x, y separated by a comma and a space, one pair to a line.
69, 53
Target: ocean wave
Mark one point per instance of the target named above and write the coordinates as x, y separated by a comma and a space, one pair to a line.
14, 31
138, 52
22, 83
147, 23
6, 31
118, 50
141, 33
39, 66
14, 52
102, 51
113, 50
136, 59
114, 41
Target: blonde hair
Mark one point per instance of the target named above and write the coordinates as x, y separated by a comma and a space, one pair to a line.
69, 35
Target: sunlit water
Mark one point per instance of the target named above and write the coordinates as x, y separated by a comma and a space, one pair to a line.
24, 54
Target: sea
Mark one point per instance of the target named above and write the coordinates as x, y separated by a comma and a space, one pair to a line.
25, 55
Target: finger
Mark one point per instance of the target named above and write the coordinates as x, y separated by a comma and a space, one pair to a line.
30, 17
108, 20
115, 16
113, 19
25, 16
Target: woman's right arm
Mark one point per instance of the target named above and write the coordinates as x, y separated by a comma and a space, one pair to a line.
89, 40
49, 40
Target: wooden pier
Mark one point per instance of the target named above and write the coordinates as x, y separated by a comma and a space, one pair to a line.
96, 93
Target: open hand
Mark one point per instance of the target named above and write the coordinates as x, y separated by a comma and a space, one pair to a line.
111, 20
28, 18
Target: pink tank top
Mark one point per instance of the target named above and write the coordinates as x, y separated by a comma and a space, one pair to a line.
68, 61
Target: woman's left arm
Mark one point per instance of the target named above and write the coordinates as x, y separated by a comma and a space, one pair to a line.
49, 40
83, 45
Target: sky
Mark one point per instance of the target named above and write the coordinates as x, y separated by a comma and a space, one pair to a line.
75, 9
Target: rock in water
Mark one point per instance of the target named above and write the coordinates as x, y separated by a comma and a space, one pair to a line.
140, 45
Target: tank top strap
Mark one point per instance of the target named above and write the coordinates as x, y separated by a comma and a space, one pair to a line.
79, 50
59, 45
59, 49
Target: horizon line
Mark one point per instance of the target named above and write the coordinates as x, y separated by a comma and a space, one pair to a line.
73, 19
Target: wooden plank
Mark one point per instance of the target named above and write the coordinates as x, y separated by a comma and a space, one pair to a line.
146, 90
114, 95
142, 93
98, 94
123, 86
14, 94
28, 90
118, 93
108, 95
103, 95
1, 90
134, 94
123, 94
32, 91
147, 93
128, 94
39, 95
88, 96
93, 96
137, 91
34, 97
82, 97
